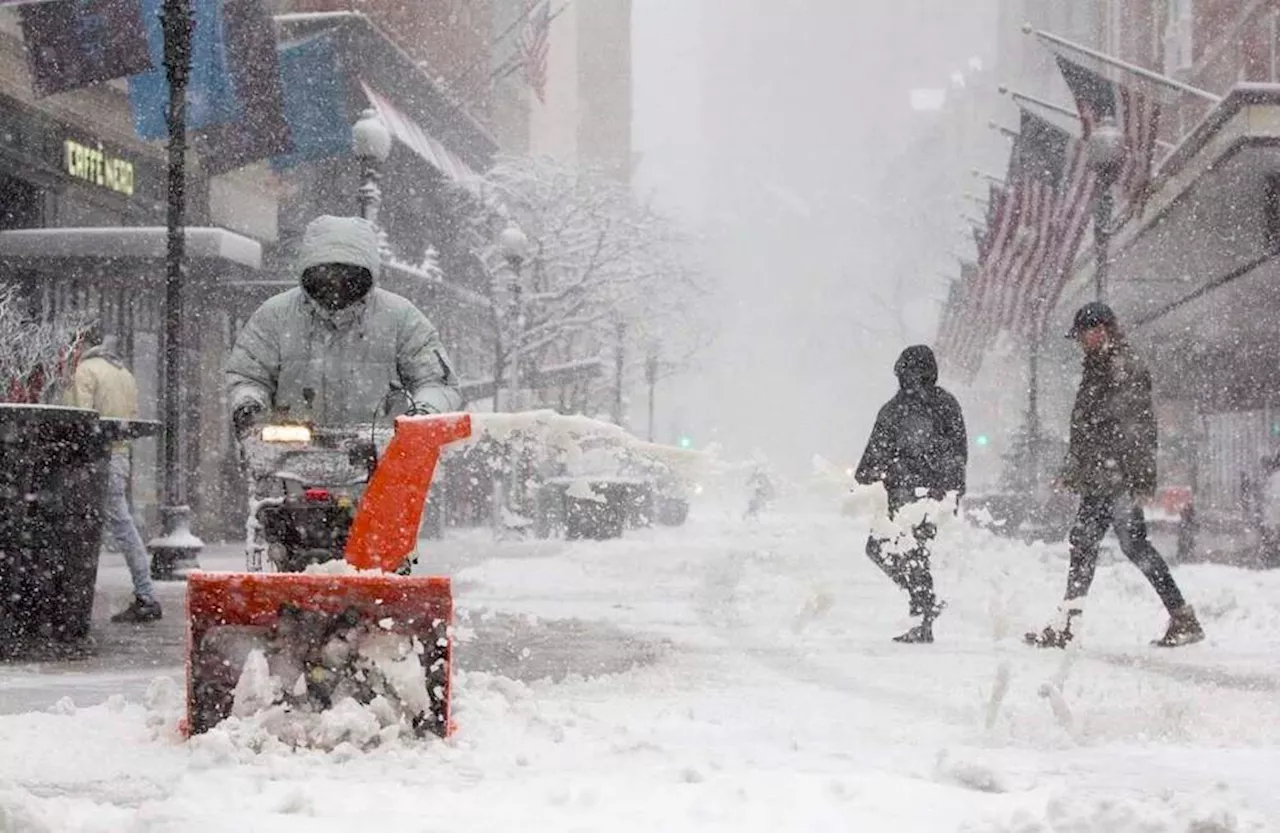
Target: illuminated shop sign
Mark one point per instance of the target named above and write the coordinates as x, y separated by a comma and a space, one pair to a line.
95, 166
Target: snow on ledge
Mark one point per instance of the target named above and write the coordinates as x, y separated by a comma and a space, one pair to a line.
137, 242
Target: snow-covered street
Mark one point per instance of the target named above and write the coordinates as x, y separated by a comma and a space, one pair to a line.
722, 676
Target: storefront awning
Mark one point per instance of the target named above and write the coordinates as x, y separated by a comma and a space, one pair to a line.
336, 64
406, 131
127, 243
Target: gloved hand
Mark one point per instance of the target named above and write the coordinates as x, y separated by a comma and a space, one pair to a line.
363, 454
245, 417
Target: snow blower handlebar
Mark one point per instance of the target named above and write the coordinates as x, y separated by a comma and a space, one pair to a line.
385, 528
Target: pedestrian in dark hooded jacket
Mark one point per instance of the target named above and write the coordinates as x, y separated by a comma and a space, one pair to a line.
1111, 464
918, 450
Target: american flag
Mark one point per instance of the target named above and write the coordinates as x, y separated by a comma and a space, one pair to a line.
1136, 112
952, 330
982, 297
1041, 152
535, 42
1075, 203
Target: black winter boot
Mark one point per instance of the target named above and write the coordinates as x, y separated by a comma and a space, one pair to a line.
1184, 629
1058, 634
922, 634
142, 610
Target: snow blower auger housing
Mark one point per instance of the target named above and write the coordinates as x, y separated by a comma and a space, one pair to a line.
330, 634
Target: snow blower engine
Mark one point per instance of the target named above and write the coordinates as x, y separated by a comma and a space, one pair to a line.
302, 641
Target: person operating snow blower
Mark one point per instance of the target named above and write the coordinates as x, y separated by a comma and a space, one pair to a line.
328, 356
330, 350
919, 451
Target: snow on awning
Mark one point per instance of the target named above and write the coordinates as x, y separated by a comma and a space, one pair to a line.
410, 134
127, 242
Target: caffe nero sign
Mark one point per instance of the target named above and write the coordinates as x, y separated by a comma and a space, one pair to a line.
96, 166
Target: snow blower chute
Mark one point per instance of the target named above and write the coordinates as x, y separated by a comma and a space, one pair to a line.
327, 635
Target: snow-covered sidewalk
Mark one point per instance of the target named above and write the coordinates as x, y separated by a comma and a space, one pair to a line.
731, 676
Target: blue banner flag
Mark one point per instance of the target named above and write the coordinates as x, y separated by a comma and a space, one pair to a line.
210, 94
315, 102
75, 43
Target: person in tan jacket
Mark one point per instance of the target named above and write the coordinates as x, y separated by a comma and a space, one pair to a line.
104, 384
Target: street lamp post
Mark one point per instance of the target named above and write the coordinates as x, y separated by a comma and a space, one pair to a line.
1106, 154
651, 379
514, 246
177, 550
371, 144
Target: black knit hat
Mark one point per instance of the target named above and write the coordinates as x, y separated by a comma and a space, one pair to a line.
1091, 315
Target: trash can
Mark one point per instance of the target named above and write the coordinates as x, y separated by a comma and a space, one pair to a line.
53, 476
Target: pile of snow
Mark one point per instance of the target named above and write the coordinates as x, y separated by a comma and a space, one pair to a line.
576, 438
374, 688
779, 702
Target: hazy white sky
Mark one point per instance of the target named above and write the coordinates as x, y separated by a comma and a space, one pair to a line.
769, 125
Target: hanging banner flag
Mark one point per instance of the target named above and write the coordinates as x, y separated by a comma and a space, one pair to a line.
210, 95
259, 129
74, 43
316, 102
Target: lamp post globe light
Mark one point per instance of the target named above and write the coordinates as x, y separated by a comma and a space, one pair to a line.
514, 245
1106, 145
1106, 154
371, 144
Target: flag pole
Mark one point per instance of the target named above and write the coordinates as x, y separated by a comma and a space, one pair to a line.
1133, 69
1007, 132
1055, 108
1039, 102
992, 178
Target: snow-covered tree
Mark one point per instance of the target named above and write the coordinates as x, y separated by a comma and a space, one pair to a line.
606, 279
36, 355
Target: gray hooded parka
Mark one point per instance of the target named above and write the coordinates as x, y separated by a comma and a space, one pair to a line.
348, 358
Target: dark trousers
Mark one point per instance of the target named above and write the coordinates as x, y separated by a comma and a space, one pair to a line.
1096, 515
906, 563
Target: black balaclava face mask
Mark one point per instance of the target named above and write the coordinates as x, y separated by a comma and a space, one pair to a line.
336, 286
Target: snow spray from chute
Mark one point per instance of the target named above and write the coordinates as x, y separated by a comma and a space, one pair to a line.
313, 624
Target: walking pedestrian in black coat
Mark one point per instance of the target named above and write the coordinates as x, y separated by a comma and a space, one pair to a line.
1111, 464
918, 450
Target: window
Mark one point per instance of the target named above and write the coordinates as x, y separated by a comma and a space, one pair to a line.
1272, 29
1156, 24
1178, 42
1115, 27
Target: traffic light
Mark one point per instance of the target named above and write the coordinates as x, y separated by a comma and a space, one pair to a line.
982, 441
685, 441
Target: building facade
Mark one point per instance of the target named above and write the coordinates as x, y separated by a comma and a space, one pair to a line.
577, 106
1191, 272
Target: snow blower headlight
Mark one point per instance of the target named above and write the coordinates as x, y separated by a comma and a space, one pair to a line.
286, 434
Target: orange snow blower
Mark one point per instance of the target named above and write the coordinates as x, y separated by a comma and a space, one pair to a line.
313, 627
